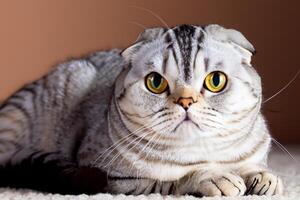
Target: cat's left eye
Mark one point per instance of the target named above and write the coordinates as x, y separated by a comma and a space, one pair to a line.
215, 81
155, 83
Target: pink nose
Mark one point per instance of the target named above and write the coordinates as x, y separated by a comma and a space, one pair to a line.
185, 102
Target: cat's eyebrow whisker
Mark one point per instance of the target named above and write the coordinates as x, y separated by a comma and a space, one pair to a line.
138, 24
285, 87
153, 14
285, 150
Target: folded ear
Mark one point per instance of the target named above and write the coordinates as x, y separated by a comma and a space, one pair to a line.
232, 36
146, 36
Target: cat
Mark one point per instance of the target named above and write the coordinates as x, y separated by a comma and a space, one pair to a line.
177, 112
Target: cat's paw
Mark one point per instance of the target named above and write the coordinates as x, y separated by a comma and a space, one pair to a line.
264, 183
227, 184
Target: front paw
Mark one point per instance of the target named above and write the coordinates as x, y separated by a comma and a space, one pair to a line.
264, 183
227, 184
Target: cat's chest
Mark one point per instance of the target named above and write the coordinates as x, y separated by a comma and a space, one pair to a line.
168, 168
171, 172
165, 172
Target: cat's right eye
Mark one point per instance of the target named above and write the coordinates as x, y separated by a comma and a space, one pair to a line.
155, 83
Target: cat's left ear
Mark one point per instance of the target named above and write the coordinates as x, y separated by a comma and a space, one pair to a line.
233, 37
146, 36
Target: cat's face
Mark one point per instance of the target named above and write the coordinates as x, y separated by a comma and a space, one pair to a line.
189, 82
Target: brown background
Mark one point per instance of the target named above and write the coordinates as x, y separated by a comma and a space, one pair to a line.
37, 34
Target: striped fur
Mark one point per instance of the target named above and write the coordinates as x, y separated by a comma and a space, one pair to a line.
96, 112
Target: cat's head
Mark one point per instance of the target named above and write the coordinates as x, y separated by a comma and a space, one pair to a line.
189, 82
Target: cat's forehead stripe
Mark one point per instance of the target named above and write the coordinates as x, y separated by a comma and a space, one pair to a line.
206, 63
184, 35
165, 60
170, 42
188, 41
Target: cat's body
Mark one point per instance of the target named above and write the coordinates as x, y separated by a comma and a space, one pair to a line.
96, 112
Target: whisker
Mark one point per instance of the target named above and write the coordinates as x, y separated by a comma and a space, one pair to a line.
120, 141
149, 142
153, 146
285, 150
114, 158
116, 145
119, 152
153, 14
138, 24
158, 139
285, 87
139, 137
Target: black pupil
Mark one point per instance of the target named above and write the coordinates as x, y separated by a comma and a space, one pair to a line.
156, 81
216, 79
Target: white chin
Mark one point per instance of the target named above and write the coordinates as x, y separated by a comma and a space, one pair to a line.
187, 128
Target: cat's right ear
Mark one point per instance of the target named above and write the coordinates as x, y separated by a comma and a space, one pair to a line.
143, 38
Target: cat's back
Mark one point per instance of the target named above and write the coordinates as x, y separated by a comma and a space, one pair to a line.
36, 117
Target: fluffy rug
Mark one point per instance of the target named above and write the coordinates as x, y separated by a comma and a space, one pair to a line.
282, 163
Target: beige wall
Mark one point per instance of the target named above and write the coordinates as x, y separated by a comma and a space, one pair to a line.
36, 34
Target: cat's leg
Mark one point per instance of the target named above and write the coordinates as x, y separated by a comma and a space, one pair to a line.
48, 173
137, 186
200, 183
213, 183
260, 180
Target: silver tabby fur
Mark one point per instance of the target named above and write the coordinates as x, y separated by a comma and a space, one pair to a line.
96, 111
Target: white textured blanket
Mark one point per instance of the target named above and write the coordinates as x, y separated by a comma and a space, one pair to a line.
281, 162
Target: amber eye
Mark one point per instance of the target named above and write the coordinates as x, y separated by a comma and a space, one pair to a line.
156, 83
215, 81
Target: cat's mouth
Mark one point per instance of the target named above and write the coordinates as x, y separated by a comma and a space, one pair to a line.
187, 119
